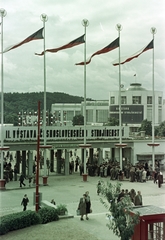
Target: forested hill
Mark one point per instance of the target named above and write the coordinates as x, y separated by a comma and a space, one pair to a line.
17, 102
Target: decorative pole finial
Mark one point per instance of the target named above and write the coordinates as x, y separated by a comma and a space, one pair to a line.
85, 22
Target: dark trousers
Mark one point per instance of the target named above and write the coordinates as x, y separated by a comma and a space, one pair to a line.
22, 183
24, 207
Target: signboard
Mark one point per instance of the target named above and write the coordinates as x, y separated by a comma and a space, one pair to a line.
130, 114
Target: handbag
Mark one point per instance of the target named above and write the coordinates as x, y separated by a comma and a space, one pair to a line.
78, 212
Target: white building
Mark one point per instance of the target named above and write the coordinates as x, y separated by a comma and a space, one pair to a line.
63, 113
136, 105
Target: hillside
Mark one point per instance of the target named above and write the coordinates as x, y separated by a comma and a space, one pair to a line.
28, 102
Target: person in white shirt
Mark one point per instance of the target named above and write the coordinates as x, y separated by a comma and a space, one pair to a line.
144, 174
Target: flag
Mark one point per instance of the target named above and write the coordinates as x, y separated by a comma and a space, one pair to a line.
137, 54
110, 47
71, 44
35, 36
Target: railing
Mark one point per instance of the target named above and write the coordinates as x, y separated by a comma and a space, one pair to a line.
22, 133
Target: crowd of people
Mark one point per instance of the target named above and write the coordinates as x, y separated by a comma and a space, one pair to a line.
141, 172
136, 198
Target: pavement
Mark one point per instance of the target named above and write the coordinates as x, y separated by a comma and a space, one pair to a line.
68, 190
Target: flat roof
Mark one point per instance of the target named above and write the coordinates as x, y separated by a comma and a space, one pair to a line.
148, 210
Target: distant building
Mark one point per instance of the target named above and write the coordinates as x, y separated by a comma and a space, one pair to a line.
136, 105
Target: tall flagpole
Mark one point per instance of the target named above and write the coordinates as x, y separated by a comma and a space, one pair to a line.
153, 31
2, 148
119, 28
44, 18
153, 144
85, 23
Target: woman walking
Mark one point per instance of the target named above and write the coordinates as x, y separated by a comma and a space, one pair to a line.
88, 204
82, 206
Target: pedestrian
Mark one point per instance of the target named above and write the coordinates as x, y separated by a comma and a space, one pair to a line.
98, 187
25, 202
132, 194
30, 180
121, 195
82, 206
21, 180
138, 199
144, 175
15, 172
88, 204
47, 163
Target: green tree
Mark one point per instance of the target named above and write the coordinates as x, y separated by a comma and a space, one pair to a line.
78, 120
120, 220
160, 130
112, 121
28, 102
147, 127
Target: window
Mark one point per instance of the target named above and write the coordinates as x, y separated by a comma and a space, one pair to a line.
136, 100
159, 116
112, 100
89, 115
123, 100
149, 100
149, 114
159, 100
101, 116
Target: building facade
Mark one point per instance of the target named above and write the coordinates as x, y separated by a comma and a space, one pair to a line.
136, 105
96, 112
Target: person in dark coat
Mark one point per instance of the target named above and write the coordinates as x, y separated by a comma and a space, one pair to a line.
88, 204
98, 187
138, 199
15, 172
121, 195
21, 179
25, 202
132, 194
82, 206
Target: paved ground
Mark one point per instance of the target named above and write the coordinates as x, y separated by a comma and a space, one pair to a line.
68, 190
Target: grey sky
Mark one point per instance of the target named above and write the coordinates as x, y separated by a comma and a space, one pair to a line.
23, 71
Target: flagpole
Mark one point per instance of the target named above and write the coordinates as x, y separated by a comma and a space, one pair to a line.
44, 18
2, 148
119, 28
85, 23
153, 31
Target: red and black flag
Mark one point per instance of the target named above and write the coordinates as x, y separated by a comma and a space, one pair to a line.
137, 54
110, 47
71, 44
35, 36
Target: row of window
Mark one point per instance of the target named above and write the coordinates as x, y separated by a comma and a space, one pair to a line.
135, 100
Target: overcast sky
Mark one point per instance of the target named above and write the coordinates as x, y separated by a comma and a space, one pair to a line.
23, 71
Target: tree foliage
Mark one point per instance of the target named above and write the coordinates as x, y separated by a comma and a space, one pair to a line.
120, 220
112, 121
160, 130
147, 127
28, 102
78, 120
